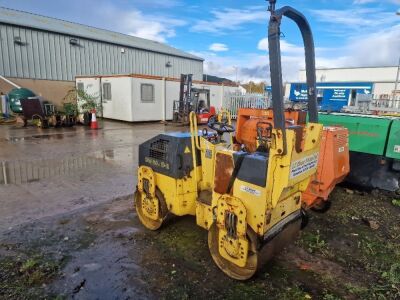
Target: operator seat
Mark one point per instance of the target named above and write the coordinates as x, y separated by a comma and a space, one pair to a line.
248, 167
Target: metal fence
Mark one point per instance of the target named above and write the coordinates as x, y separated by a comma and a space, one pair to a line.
385, 104
19, 172
234, 101
375, 104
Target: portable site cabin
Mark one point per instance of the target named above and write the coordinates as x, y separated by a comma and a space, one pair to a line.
137, 98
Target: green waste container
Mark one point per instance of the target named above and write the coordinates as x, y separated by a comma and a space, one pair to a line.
15, 96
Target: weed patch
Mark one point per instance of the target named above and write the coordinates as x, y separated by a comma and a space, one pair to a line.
23, 278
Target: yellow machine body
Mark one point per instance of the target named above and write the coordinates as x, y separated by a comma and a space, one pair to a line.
250, 203
240, 218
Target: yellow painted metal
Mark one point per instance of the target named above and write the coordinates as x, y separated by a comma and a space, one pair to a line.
227, 266
146, 178
234, 220
231, 213
282, 194
223, 114
146, 201
150, 207
180, 194
150, 221
194, 133
208, 151
204, 215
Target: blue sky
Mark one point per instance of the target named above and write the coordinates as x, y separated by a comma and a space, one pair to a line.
230, 35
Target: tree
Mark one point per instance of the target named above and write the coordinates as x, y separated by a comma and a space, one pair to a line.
257, 88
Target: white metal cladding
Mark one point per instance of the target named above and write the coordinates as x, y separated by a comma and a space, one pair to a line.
47, 55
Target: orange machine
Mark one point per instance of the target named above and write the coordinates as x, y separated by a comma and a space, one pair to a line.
250, 118
333, 167
333, 164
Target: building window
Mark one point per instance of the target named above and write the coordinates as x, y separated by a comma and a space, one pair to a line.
80, 86
147, 92
106, 91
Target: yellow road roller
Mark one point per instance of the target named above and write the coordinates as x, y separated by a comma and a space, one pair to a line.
250, 203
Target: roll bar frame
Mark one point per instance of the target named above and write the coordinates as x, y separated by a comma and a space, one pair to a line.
275, 64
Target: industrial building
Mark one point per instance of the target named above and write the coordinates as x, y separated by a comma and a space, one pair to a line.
338, 87
45, 54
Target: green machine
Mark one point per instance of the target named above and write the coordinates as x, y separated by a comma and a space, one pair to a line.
15, 97
374, 143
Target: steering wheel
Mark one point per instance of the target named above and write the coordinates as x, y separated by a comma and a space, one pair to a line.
220, 127
264, 131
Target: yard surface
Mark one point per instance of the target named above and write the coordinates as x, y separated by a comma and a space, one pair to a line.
74, 234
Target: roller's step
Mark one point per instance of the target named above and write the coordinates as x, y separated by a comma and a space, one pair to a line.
205, 197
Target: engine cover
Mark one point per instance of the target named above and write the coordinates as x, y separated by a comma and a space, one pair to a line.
169, 154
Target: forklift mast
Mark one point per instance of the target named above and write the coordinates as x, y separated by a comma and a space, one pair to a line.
183, 106
185, 92
275, 63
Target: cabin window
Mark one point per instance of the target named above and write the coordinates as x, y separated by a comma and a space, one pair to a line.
80, 86
106, 91
147, 93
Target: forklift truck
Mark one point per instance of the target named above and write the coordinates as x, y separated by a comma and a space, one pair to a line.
250, 203
192, 99
201, 105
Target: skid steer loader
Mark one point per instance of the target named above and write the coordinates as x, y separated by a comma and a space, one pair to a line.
250, 203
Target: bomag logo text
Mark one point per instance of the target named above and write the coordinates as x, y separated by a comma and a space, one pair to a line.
156, 163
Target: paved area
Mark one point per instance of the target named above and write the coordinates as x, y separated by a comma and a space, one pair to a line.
68, 230
53, 171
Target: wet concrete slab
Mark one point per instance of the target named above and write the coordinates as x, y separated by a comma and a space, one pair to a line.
44, 172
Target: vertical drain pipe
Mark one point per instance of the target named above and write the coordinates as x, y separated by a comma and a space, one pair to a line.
163, 99
3, 163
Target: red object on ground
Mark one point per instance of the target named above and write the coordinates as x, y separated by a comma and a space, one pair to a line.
202, 118
93, 123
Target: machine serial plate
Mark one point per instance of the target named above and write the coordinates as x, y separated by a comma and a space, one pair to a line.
397, 148
303, 165
250, 190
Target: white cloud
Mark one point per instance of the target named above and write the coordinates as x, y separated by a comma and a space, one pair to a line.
134, 22
363, 1
148, 27
286, 47
230, 19
218, 47
374, 1
376, 49
143, 18
158, 3
355, 21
